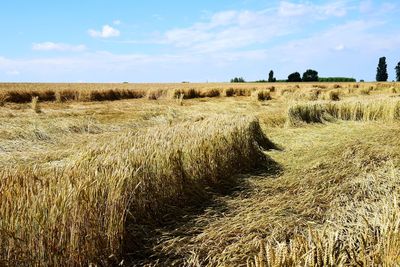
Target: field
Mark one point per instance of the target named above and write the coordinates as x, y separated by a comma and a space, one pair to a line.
253, 174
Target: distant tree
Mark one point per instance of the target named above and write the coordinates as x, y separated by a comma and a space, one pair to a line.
237, 80
398, 72
271, 78
294, 77
310, 76
336, 79
381, 71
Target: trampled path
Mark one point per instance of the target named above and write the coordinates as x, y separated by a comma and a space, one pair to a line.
287, 197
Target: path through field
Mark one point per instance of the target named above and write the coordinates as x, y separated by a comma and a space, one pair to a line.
297, 192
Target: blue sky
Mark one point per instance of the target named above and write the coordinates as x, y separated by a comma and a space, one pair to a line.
197, 41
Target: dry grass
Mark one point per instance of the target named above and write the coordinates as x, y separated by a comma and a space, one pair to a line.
154, 94
333, 95
180, 99
383, 109
365, 91
35, 104
23, 93
97, 182
78, 214
61, 95
261, 95
229, 92
363, 228
337, 189
3, 99
196, 93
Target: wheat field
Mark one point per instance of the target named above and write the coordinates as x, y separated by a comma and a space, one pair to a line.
252, 174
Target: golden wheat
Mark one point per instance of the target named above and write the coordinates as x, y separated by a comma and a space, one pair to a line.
384, 109
362, 230
78, 214
261, 95
35, 104
98, 183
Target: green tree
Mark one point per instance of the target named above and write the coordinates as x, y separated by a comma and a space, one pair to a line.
336, 79
237, 80
381, 71
310, 76
271, 78
294, 77
398, 72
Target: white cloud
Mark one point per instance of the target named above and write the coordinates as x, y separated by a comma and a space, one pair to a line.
224, 18
336, 9
288, 9
106, 32
366, 6
339, 47
388, 7
50, 46
238, 42
12, 72
227, 30
236, 29
158, 17
360, 44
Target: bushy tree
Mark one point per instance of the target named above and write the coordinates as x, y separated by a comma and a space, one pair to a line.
310, 76
237, 80
336, 79
398, 72
294, 77
271, 78
381, 71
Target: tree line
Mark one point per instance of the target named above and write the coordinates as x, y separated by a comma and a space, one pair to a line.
312, 75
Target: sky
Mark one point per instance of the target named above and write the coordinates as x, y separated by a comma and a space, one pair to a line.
195, 41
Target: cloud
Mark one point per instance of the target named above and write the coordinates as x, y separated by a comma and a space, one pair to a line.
288, 9
223, 18
12, 72
339, 47
236, 29
289, 36
106, 32
158, 17
335, 9
50, 46
366, 6
351, 49
383, 8
227, 30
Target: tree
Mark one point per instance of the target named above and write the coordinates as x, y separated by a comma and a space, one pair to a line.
237, 80
310, 76
337, 79
398, 72
381, 71
271, 78
294, 77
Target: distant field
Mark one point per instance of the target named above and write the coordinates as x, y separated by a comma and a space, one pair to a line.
23, 92
216, 174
